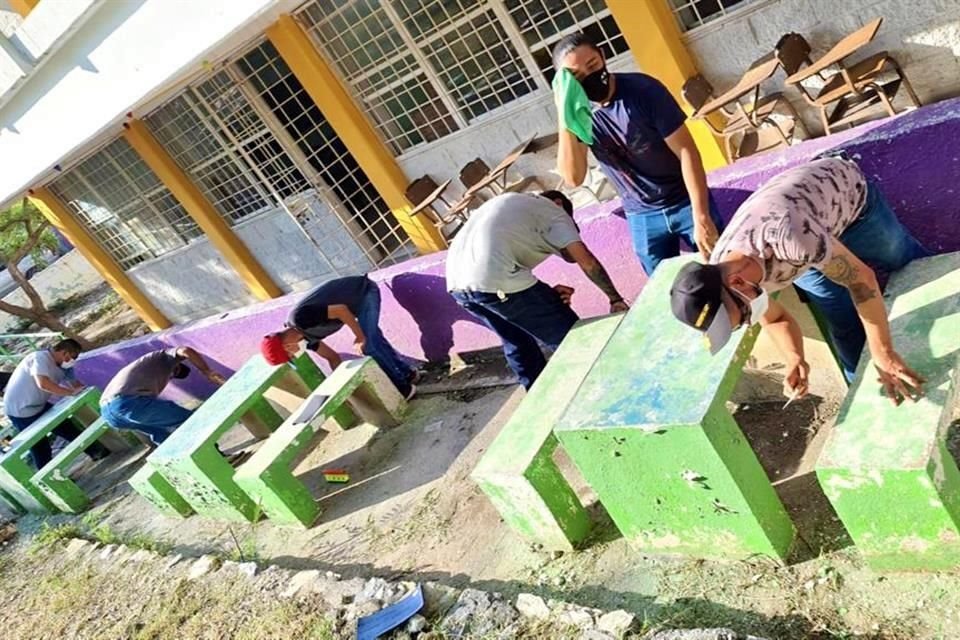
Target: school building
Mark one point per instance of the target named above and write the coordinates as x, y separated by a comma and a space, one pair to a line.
203, 155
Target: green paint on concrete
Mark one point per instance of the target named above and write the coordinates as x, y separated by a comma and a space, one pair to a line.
517, 472
16, 473
53, 480
160, 493
188, 459
886, 469
10, 504
267, 476
650, 432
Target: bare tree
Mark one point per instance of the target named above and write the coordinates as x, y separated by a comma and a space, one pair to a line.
24, 231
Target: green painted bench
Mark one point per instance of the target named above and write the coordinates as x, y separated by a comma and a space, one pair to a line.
650, 432
16, 473
267, 476
52, 479
154, 488
518, 473
887, 470
189, 461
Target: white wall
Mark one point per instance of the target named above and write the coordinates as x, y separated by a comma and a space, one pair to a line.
122, 52
195, 281
68, 276
923, 35
492, 138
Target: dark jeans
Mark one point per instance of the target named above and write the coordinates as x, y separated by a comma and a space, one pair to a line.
656, 234
155, 417
521, 319
876, 237
68, 430
376, 345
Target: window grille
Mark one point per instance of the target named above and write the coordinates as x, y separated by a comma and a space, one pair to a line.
423, 69
695, 13
542, 23
125, 206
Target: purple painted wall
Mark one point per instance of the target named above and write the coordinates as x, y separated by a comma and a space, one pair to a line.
914, 158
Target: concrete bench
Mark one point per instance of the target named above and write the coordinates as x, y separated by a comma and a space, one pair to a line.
887, 470
650, 432
518, 473
157, 491
267, 477
52, 479
16, 473
189, 461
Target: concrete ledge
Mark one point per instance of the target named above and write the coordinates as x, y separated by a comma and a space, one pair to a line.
887, 470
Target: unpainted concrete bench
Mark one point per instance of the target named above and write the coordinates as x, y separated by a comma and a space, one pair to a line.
650, 432
887, 470
518, 473
189, 461
267, 477
52, 479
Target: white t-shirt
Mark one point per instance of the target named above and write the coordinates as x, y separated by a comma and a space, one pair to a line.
501, 243
23, 397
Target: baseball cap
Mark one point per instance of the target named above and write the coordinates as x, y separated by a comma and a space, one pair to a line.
696, 300
272, 349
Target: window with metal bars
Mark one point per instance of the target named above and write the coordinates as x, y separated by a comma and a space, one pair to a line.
125, 206
426, 68
542, 23
696, 13
251, 138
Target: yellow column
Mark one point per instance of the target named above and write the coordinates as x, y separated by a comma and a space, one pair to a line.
654, 38
23, 7
201, 210
60, 217
352, 126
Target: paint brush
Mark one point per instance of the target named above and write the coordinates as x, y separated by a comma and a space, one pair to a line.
793, 396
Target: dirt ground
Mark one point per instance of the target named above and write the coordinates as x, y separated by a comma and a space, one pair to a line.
411, 512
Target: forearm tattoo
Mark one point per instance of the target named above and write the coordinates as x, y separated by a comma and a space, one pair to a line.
841, 271
598, 275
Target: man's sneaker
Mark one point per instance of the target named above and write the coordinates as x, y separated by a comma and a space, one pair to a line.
413, 392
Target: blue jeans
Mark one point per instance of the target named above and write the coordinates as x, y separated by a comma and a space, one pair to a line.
521, 320
40, 452
155, 417
656, 234
376, 345
878, 238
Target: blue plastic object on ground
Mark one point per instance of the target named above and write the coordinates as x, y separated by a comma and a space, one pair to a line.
376, 624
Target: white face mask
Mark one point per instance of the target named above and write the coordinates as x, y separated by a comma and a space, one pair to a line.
68, 364
758, 306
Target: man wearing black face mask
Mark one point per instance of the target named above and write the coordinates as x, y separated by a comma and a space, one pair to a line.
640, 139
131, 400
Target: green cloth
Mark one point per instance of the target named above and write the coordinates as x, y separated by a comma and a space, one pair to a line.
573, 106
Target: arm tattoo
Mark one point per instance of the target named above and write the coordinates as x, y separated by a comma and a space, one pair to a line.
842, 272
861, 292
598, 275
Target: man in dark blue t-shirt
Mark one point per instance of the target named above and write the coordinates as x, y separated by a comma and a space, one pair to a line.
646, 151
352, 301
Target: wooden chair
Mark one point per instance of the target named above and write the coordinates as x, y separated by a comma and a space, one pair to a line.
852, 91
743, 124
425, 194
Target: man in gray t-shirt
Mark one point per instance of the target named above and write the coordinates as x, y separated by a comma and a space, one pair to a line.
131, 399
490, 274
39, 380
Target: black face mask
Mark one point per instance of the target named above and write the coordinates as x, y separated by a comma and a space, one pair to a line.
597, 85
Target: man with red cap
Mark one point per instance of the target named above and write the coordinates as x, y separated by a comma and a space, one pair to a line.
352, 301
